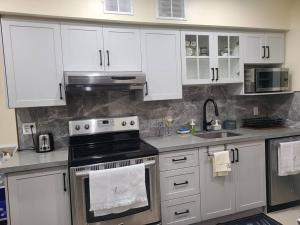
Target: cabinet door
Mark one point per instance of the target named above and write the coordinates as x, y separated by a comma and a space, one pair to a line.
161, 63
33, 60
228, 65
253, 48
40, 197
217, 193
82, 48
197, 57
122, 48
275, 48
250, 176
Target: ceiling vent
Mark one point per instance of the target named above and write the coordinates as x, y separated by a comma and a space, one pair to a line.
171, 9
118, 7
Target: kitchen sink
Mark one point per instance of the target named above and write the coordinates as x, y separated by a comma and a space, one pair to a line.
213, 135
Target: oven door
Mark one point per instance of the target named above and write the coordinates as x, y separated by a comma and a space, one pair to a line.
272, 80
81, 203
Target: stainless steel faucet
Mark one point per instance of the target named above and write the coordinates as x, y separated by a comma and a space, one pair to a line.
205, 123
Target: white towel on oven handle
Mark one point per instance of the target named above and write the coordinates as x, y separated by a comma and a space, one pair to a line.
117, 190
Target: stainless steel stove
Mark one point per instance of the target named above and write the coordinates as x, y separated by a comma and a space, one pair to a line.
98, 144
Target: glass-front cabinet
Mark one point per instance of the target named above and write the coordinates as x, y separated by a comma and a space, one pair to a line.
210, 57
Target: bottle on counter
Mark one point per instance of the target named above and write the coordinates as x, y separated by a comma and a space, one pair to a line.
192, 126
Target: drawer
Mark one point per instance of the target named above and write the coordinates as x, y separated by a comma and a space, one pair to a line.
178, 159
179, 183
182, 211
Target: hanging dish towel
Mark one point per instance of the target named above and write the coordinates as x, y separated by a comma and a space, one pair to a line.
221, 163
289, 158
117, 190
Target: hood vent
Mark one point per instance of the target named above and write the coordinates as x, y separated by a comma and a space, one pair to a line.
89, 81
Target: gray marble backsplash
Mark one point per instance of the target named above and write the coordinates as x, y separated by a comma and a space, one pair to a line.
151, 114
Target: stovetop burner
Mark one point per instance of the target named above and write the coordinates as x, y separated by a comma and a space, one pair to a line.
104, 140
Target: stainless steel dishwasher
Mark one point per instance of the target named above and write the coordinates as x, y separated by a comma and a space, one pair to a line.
282, 191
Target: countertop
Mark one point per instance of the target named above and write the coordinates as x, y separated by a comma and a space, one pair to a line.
177, 142
30, 160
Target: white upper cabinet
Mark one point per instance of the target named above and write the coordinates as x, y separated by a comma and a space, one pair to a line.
228, 65
82, 48
263, 48
253, 48
162, 65
122, 49
275, 48
33, 62
197, 57
211, 58
94, 48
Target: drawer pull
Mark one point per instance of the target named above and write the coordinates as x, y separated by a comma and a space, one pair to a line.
181, 213
178, 160
177, 184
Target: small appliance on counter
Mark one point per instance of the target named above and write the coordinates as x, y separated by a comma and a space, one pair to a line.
264, 80
45, 143
263, 122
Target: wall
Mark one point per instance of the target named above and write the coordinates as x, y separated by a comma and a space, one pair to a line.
8, 134
266, 14
117, 103
293, 45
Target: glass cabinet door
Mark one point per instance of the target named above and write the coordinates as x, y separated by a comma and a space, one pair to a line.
197, 57
223, 60
234, 63
228, 57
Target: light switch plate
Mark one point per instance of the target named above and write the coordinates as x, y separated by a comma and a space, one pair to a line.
27, 128
255, 111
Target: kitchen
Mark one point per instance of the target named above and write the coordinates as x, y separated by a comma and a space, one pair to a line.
207, 52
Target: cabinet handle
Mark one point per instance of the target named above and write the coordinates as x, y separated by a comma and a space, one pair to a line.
217, 70
178, 184
108, 61
180, 213
233, 155
178, 160
60, 91
268, 51
213, 74
237, 155
64, 178
100, 53
264, 55
147, 90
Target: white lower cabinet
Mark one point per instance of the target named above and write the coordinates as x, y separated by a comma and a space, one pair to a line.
179, 183
250, 176
217, 193
243, 189
179, 187
181, 211
39, 197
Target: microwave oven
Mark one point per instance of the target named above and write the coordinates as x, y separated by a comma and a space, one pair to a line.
263, 80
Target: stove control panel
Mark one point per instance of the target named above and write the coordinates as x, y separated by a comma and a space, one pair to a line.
103, 125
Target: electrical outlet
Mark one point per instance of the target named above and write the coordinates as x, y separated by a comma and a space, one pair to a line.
255, 111
27, 128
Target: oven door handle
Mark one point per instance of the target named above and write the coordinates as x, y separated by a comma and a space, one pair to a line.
86, 173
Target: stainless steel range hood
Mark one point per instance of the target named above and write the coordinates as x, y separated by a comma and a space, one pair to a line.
104, 80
